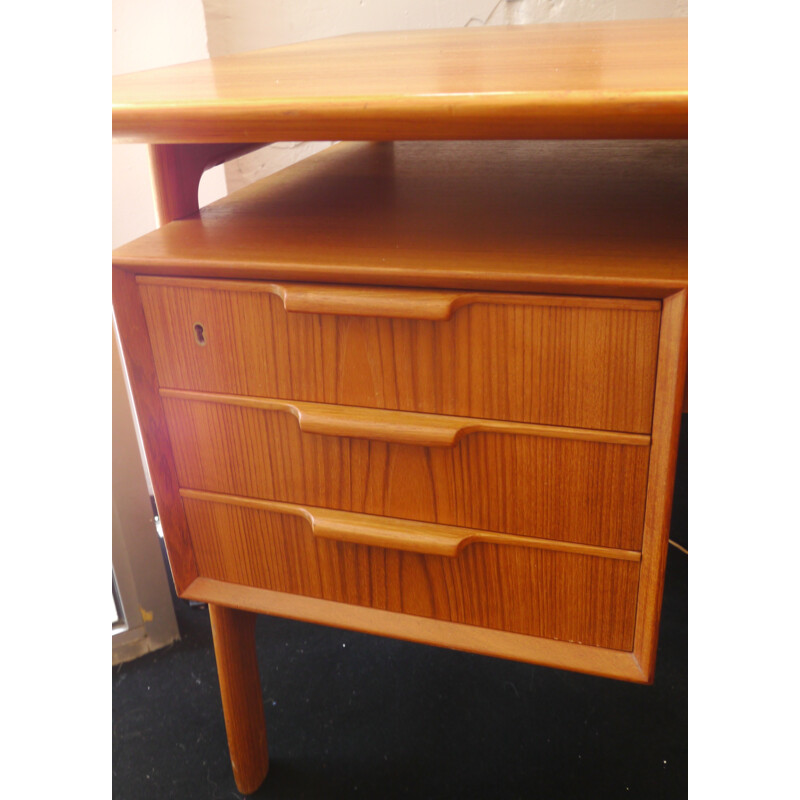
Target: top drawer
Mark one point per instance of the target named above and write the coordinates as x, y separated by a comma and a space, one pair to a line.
574, 361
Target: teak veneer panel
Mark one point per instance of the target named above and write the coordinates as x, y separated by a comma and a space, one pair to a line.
526, 590
602, 218
621, 79
557, 361
530, 485
138, 360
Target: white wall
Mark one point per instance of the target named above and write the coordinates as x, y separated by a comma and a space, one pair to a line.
238, 25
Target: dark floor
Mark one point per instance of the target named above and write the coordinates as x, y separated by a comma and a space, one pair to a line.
352, 715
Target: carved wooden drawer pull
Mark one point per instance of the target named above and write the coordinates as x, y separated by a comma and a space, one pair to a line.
402, 534
401, 427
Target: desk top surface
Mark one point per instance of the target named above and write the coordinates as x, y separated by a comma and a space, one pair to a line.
622, 79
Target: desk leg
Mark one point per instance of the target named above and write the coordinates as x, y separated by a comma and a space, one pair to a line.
176, 170
240, 687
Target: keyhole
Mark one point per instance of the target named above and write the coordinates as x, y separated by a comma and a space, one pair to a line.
199, 335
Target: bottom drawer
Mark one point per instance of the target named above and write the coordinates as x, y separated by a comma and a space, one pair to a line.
556, 594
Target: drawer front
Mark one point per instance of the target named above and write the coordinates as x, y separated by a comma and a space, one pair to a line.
580, 362
532, 485
522, 589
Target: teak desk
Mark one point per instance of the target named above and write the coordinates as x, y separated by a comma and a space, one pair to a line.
427, 383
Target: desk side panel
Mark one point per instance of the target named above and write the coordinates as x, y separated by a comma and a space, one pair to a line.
670, 377
140, 368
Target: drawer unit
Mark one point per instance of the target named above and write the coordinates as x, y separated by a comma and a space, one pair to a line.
316, 447
520, 588
566, 361
556, 483
424, 389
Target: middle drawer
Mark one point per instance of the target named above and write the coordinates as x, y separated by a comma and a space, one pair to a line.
564, 484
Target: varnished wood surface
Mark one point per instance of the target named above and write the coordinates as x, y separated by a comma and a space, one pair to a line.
176, 171
561, 489
603, 218
394, 302
138, 357
575, 365
620, 79
487, 641
240, 689
666, 431
402, 534
400, 427
517, 589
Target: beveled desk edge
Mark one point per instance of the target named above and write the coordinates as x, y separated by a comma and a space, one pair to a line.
610, 79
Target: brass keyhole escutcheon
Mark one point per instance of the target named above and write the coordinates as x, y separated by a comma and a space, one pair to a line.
199, 334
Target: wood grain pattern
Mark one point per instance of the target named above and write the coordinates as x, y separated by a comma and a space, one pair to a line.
621, 79
395, 303
486, 641
139, 366
572, 365
518, 589
401, 427
660, 484
402, 534
596, 218
240, 689
561, 489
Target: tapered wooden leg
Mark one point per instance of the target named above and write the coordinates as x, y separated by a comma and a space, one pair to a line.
240, 687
